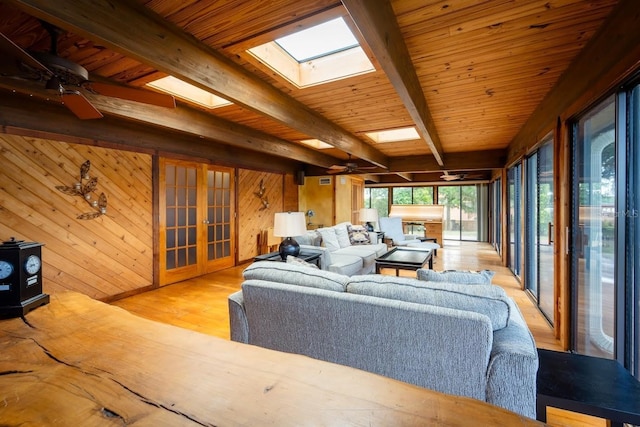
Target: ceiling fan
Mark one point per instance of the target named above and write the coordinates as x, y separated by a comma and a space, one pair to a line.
67, 79
460, 176
453, 176
348, 167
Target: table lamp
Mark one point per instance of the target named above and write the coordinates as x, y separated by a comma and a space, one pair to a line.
288, 224
368, 215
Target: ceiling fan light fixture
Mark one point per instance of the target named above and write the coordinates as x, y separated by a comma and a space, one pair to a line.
54, 85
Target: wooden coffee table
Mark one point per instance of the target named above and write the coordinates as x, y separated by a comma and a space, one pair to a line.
403, 258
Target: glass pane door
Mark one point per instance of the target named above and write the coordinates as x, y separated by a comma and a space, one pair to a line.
219, 219
593, 231
181, 222
196, 220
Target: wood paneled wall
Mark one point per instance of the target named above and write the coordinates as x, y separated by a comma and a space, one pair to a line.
253, 217
102, 257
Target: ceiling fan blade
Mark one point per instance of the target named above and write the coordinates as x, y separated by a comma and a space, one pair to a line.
131, 94
80, 106
9, 47
336, 169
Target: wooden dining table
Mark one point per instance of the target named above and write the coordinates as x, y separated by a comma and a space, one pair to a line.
81, 362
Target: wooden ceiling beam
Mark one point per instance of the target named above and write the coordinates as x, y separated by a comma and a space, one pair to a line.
376, 21
408, 167
405, 176
134, 30
213, 134
466, 161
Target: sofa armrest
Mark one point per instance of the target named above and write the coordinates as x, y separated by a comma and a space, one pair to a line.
239, 327
325, 255
513, 367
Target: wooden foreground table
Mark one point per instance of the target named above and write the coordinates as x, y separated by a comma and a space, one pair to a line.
79, 362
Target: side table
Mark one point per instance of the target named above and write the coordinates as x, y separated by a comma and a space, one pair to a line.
313, 257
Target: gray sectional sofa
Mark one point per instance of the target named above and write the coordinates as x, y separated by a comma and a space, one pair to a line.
343, 249
467, 340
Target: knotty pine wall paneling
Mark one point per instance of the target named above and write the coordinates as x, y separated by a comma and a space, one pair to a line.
253, 215
102, 257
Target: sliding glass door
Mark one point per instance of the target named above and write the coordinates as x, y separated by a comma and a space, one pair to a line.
539, 229
461, 219
514, 183
594, 231
496, 214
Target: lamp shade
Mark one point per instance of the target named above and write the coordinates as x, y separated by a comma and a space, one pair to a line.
288, 224
368, 215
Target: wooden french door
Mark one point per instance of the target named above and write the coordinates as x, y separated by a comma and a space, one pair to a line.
197, 219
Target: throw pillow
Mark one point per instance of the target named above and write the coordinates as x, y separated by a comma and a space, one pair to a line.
482, 277
329, 238
358, 235
295, 260
342, 233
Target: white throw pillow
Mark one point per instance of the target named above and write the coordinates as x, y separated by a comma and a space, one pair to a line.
329, 238
342, 233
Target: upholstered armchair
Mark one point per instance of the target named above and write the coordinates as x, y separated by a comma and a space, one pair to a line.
392, 228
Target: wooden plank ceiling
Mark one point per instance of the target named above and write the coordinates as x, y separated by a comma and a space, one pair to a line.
466, 73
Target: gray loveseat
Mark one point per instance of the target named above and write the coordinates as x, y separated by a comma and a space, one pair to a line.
468, 340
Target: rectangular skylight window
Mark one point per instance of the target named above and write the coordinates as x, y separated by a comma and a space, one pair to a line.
188, 92
316, 143
322, 40
394, 135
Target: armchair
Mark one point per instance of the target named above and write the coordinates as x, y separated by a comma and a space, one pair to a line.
392, 228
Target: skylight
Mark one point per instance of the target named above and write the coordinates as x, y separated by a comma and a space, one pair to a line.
316, 143
322, 40
319, 54
188, 92
394, 135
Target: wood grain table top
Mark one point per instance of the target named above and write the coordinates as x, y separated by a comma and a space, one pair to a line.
77, 361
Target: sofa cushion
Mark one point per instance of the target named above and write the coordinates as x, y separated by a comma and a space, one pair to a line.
346, 264
293, 274
329, 238
298, 261
358, 235
457, 276
342, 233
311, 238
489, 300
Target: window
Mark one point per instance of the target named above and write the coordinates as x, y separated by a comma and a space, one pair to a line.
394, 135
188, 92
377, 198
413, 195
326, 52
321, 40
